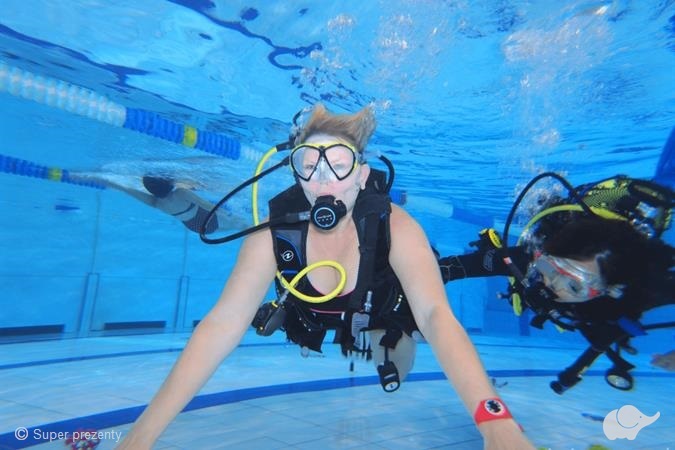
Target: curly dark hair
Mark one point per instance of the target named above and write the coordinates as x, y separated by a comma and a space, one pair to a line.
629, 258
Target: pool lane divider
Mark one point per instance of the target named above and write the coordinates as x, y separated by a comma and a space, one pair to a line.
84, 102
22, 167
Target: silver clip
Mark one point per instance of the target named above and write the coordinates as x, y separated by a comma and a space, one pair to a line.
368, 305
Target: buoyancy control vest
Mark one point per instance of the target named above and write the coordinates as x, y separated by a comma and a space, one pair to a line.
377, 301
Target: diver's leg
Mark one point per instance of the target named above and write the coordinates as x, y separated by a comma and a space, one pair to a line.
403, 355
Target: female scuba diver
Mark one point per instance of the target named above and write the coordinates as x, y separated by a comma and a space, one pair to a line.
394, 286
592, 262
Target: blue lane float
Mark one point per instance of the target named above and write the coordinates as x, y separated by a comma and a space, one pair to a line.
22, 167
84, 102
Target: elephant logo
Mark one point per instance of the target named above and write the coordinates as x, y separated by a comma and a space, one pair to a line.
626, 422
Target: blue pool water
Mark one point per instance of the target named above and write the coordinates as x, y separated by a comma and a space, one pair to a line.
473, 99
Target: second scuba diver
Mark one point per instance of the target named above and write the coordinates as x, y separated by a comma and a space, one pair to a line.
592, 261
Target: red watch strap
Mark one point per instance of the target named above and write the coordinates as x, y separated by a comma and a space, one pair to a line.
491, 409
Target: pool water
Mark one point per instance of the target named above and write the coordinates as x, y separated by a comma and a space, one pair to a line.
472, 99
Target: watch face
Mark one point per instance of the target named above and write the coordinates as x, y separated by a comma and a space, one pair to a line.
494, 407
491, 409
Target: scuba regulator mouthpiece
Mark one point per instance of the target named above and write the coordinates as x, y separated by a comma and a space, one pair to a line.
327, 212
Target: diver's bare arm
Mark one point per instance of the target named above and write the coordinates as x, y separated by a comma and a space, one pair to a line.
215, 337
415, 265
417, 269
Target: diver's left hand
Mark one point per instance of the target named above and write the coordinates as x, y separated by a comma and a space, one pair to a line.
504, 435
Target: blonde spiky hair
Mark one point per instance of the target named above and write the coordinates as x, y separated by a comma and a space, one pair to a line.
355, 128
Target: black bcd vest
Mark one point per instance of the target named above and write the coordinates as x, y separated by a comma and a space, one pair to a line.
389, 308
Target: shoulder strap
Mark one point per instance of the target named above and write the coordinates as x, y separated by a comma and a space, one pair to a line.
377, 180
289, 239
371, 210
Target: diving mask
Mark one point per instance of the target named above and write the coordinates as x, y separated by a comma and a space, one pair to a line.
571, 281
333, 161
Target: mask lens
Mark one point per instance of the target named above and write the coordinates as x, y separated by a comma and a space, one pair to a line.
331, 161
341, 160
304, 161
568, 280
